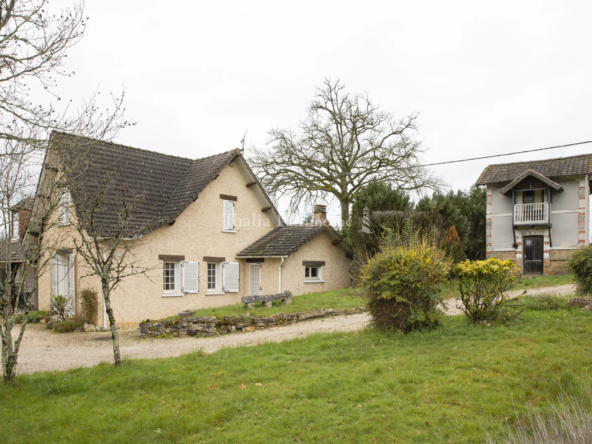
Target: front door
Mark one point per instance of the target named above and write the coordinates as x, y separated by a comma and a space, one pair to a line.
533, 255
254, 279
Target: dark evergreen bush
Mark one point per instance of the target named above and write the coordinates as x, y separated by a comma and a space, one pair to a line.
580, 265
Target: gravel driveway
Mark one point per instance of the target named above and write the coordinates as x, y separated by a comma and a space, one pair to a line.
43, 350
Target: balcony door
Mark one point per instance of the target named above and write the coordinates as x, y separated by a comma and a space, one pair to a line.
533, 255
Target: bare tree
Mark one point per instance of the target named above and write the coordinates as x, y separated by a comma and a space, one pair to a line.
345, 141
33, 49
107, 225
24, 245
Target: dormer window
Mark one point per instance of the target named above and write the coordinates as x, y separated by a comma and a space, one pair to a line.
64, 218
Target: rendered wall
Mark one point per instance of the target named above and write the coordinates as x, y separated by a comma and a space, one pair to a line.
196, 233
335, 271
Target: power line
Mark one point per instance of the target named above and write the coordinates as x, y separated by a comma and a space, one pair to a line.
507, 154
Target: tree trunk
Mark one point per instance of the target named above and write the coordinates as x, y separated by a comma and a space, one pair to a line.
344, 213
8, 356
114, 336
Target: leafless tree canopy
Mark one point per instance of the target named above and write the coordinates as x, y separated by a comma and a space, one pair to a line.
33, 49
345, 141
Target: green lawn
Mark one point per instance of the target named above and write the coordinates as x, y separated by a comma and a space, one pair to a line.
452, 385
337, 300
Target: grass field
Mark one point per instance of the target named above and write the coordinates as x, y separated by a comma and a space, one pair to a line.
452, 385
337, 300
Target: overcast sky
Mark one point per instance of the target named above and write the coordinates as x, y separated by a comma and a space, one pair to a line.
487, 78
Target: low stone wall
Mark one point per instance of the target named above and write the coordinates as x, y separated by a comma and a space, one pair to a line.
189, 325
559, 260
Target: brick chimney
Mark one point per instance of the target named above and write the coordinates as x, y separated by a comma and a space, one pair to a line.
319, 213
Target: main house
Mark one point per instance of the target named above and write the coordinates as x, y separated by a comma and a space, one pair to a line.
538, 212
205, 228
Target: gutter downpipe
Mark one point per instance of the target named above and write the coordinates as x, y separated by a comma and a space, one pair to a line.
280, 275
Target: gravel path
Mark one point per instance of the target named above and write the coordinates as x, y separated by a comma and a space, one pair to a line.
43, 350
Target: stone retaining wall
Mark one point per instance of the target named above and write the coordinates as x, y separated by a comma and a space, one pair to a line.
188, 325
556, 263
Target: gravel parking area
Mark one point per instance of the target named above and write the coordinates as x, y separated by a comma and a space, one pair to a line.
43, 350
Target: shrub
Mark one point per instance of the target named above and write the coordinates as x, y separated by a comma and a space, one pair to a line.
88, 305
545, 302
35, 317
59, 306
482, 286
580, 264
67, 326
402, 283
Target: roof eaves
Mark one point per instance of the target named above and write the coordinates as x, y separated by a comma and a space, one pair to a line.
533, 173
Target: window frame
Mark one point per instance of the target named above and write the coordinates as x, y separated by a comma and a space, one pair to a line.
217, 289
309, 278
176, 291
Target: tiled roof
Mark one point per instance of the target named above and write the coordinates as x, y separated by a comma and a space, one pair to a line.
283, 241
158, 186
560, 167
24, 204
13, 248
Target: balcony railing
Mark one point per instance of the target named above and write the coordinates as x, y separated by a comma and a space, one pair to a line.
532, 213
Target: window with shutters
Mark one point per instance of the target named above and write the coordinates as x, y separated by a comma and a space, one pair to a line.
313, 274
64, 218
214, 281
228, 217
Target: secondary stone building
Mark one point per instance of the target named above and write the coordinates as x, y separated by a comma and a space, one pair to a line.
538, 212
205, 228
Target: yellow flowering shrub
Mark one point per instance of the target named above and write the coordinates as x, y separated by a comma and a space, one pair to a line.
403, 285
483, 286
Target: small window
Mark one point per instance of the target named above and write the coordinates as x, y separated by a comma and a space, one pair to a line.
65, 209
15, 225
213, 277
312, 273
170, 277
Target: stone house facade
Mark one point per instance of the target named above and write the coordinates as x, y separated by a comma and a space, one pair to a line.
538, 212
205, 229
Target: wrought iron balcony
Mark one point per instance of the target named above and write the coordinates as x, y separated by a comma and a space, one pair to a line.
531, 214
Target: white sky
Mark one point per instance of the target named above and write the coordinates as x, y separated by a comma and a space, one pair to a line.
487, 78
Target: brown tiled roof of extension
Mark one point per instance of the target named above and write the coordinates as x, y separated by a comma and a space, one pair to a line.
560, 167
283, 241
14, 248
163, 185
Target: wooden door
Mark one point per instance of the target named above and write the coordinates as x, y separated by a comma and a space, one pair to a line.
254, 279
533, 255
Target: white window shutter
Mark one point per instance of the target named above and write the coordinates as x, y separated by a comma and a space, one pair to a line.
231, 277
53, 271
228, 215
65, 209
72, 283
190, 277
